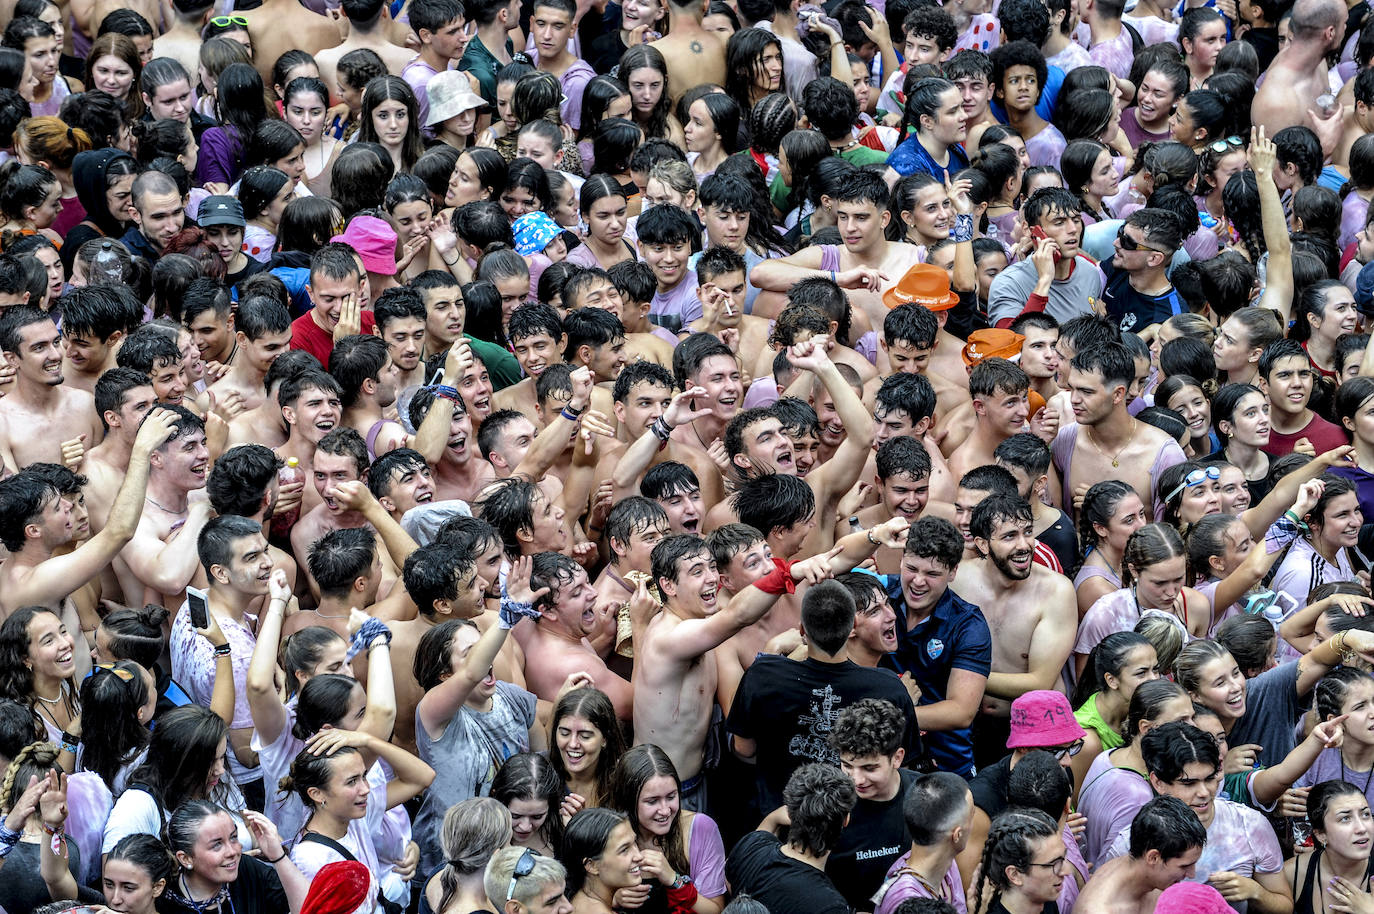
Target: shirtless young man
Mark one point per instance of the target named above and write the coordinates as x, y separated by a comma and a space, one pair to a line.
633, 528
161, 559
311, 409
369, 28
369, 382
1032, 609
561, 641
181, 41
262, 333
911, 333
265, 424
757, 445
40, 417
675, 670
693, 54
122, 398
1000, 409
1039, 357
1166, 843
867, 264
95, 321
400, 314
38, 521
279, 26
1298, 75
903, 487
244, 482
340, 457
1105, 441
461, 472
346, 570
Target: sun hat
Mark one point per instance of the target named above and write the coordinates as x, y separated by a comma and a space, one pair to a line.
1042, 718
924, 284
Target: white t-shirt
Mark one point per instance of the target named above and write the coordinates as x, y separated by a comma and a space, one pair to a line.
310, 857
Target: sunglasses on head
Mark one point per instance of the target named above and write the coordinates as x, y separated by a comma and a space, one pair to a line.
523, 867
1195, 478
222, 21
123, 674
1231, 142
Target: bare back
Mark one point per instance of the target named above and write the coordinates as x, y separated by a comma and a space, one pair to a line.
694, 56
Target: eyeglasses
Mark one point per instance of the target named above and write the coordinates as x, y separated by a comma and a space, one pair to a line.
222, 21
1195, 478
1069, 751
1130, 244
123, 674
1057, 864
1226, 145
523, 867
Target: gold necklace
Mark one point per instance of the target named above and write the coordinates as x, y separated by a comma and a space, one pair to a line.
1116, 460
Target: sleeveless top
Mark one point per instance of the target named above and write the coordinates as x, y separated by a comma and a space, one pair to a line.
1303, 900
1089, 718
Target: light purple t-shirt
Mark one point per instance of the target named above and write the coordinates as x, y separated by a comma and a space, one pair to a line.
706, 856
574, 80
1152, 29
417, 75
1354, 212
1239, 840
1115, 54
899, 886
677, 307
1110, 798
1046, 147
1117, 611
1074, 55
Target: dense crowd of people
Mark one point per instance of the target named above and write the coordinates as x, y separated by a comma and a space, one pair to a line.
686, 456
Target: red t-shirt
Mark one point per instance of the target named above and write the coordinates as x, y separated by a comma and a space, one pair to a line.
1323, 435
314, 339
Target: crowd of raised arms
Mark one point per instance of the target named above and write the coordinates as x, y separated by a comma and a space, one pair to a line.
686, 456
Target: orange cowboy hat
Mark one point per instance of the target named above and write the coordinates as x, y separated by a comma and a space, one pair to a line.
924, 284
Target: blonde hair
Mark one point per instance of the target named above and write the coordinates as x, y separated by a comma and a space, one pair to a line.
51, 140
677, 175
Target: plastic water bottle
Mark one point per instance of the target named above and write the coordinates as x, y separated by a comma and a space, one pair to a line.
106, 269
291, 472
1273, 614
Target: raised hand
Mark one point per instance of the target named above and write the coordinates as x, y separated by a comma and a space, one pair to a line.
682, 410
656, 866
331, 740
52, 801
350, 317
809, 355
156, 430
353, 495
265, 834
582, 380
459, 360
518, 582
1262, 154
577, 680
891, 533
278, 587
212, 632
959, 194
73, 451
1043, 256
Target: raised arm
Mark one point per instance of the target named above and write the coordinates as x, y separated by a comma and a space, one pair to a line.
53, 864
1278, 288
356, 496
692, 638
843, 469
441, 703
167, 566
269, 714
293, 882
1285, 493
550, 443
48, 583
432, 435
782, 273
1268, 784
379, 716
635, 462
965, 278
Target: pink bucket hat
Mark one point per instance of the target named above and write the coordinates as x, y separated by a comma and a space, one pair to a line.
1191, 898
1042, 718
375, 242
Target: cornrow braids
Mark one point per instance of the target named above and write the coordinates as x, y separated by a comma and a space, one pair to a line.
1009, 844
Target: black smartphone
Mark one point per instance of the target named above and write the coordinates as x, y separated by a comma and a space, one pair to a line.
199, 606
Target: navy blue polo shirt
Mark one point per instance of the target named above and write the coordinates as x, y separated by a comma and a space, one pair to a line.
954, 636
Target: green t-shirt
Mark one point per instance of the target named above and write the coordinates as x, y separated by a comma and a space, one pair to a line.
479, 61
860, 155
502, 367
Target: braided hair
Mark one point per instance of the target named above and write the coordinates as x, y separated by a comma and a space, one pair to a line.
34, 760
1009, 844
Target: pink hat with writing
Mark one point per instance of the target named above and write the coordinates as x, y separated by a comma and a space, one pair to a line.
375, 241
1191, 898
1042, 718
